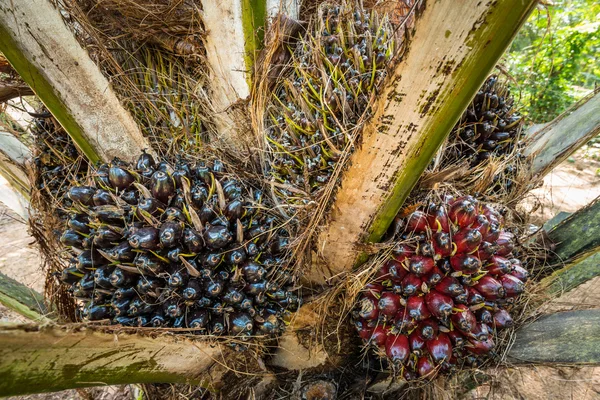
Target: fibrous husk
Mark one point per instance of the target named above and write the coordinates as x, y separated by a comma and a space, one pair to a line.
152, 53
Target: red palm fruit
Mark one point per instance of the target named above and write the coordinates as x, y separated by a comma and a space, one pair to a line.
364, 331
368, 309
439, 304
493, 233
485, 251
457, 338
428, 329
462, 298
440, 348
445, 266
397, 270
474, 296
389, 304
438, 219
484, 316
402, 251
463, 318
465, 263
512, 285
498, 265
416, 342
491, 214
417, 222
434, 277
467, 240
404, 322
425, 368
420, 265
397, 348
373, 290
505, 244
449, 286
490, 288
480, 332
515, 262
379, 336
481, 224
442, 245
477, 347
411, 284
462, 212
416, 308
426, 249
502, 319
383, 273
520, 273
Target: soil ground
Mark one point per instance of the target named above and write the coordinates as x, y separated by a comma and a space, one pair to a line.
569, 187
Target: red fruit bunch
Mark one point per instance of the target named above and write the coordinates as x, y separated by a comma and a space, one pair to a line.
437, 303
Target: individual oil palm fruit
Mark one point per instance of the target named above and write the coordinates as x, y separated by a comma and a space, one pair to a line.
336, 68
441, 300
166, 257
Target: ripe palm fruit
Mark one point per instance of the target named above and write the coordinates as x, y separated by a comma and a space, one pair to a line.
162, 256
489, 127
397, 348
443, 293
325, 92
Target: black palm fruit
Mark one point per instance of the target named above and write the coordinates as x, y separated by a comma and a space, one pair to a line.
193, 249
79, 223
119, 177
82, 194
71, 238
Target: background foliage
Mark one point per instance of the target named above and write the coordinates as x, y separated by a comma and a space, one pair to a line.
555, 59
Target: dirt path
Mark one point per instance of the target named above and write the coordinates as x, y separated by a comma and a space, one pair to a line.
571, 185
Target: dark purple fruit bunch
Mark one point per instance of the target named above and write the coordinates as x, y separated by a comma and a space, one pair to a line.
438, 302
188, 246
337, 66
489, 127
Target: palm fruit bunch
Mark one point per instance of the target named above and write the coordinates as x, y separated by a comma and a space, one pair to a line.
490, 126
188, 246
55, 160
317, 105
438, 301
